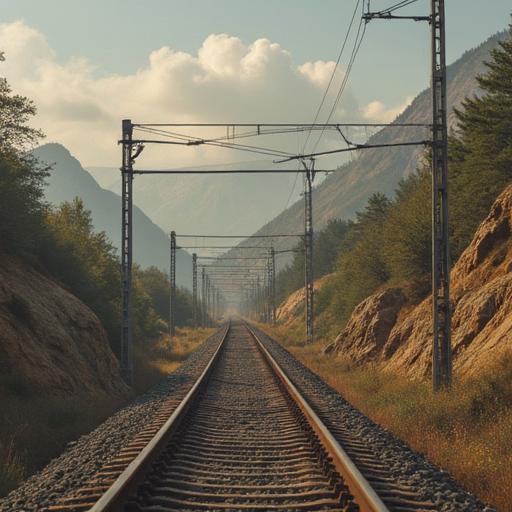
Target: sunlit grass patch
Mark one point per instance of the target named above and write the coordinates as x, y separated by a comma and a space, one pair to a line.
153, 363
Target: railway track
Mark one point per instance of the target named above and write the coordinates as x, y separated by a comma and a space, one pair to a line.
242, 438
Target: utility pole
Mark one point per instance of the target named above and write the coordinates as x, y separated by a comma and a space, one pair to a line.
203, 298
308, 242
172, 288
215, 304
126, 250
273, 284
213, 293
258, 299
441, 305
208, 302
441, 346
269, 291
194, 288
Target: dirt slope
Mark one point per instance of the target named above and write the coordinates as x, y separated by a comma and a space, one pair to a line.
49, 340
294, 305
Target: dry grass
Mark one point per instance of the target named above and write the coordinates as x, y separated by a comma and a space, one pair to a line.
163, 357
34, 429
467, 431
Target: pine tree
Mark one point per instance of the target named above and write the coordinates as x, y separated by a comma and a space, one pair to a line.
481, 148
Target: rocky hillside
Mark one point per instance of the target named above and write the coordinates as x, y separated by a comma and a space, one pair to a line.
293, 306
384, 329
345, 192
69, 179
49, 340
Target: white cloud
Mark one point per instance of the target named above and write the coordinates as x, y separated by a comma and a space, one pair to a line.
378, 112
227, 80
318, 72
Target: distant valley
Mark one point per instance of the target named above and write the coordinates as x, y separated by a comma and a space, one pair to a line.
226, 204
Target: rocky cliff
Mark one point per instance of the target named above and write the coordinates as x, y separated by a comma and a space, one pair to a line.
293, 306
383, 329
49, 340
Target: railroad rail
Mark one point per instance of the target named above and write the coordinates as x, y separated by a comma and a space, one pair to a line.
242, 438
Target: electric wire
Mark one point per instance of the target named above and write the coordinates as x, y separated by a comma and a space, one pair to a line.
196, 140
349, 30
355, 50
397, 6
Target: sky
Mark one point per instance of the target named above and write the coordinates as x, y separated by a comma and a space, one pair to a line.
89, 64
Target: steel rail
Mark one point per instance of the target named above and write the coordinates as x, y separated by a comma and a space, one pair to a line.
111, 500
114, 498
364, 494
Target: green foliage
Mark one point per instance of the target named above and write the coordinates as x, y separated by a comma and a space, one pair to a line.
407, 232
84, 261
361, 267
291, 278
15, 113
332, 240
156, 284
87, 263
21, 178
328, 243
481, 149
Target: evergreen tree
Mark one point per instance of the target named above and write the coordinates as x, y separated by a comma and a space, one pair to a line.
22, 179
481, 148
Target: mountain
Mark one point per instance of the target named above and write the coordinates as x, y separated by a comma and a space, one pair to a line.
224, 204
69, 179
346, 191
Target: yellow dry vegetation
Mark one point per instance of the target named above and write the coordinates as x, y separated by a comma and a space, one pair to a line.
164, 356
466, 431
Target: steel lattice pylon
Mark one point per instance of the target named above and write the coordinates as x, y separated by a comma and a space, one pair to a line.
441, 343
194, 288
126, 249
172, 283
308, 249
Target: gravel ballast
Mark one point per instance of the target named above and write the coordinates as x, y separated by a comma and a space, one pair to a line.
83, 457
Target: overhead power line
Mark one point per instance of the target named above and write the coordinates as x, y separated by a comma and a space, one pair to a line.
351, 23
356, 147
355, 50
238, 236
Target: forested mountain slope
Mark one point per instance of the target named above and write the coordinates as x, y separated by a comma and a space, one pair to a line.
69, 179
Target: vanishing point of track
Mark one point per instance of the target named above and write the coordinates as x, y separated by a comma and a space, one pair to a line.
242, 438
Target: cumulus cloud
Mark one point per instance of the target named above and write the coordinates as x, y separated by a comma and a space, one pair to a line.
227, 80
318, 72
378, 112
